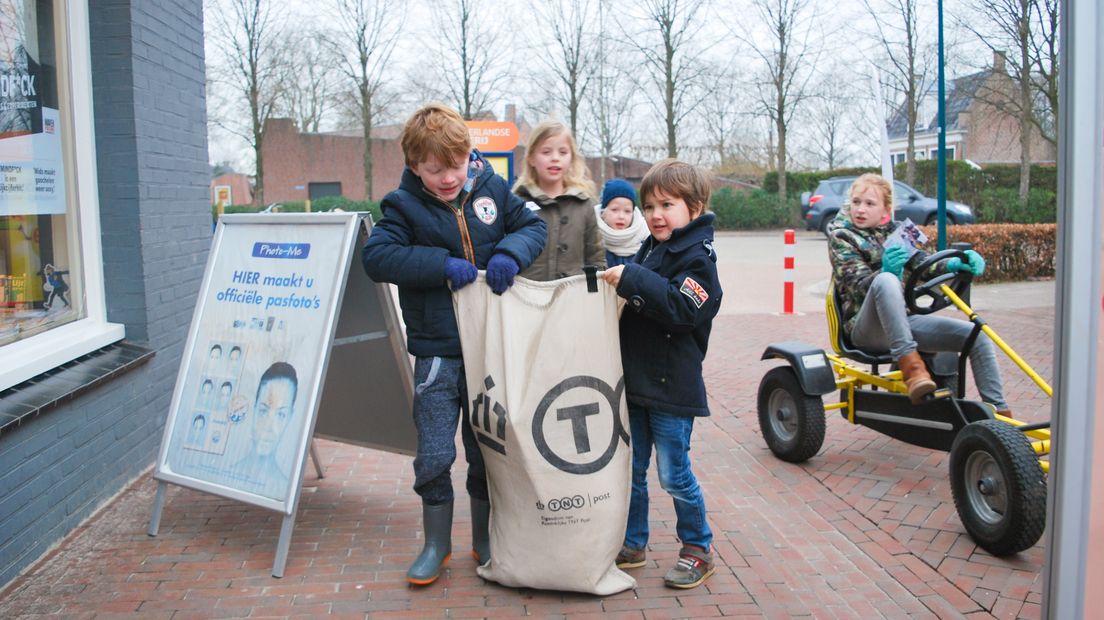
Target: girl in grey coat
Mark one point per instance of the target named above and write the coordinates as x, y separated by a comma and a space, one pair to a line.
555, 184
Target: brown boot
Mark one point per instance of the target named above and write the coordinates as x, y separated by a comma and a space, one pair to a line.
917, 379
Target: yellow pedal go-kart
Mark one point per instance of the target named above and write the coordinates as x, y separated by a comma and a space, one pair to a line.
998, 465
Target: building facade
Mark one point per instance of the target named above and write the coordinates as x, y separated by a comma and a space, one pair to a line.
304, 165
980, 125
104, 232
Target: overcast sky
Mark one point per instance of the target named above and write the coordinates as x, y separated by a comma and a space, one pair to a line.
842, 41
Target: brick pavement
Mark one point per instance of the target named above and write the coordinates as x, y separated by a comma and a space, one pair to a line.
866, 529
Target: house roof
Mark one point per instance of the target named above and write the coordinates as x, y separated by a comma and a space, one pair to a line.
959, 97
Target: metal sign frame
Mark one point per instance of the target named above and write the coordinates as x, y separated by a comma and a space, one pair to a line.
342, 234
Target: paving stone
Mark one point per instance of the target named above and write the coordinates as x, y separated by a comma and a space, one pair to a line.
865, 529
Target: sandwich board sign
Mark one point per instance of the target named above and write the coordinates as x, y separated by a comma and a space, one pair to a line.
369, 388
254, 371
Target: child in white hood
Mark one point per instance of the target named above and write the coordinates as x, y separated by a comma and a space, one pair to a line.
620, 222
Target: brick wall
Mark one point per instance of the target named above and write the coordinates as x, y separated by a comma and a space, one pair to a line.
148, 81
294, 160
241, 189
992, 133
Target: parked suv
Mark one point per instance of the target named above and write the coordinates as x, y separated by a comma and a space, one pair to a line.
819, 207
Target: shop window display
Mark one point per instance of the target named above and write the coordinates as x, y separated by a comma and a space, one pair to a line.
40, 277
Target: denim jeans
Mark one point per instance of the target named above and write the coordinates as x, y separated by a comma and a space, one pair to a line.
884, 325
440, 395
670, 434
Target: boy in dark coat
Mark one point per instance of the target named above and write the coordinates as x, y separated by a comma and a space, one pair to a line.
451, 216
673, 293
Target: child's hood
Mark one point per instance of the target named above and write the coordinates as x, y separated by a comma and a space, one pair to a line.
537, 195
479, 171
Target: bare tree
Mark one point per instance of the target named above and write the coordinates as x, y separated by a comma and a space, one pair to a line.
468, 42
574, 61
908, 58
365, 38
672, 48
611, 105
1029, 29
611, 114
722, 117
788, 60
1044, 58
247, 33
829, 124
309, 95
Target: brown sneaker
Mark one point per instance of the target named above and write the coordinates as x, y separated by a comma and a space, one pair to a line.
694, 566
630, 558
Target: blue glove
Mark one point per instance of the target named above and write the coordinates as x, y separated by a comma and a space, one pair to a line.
459, 272
976, 264
501, 270
894, 259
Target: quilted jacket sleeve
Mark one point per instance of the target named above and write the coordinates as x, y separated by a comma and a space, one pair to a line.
390, 254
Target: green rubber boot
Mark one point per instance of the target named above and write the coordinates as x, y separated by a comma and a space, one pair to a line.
437, 523
481, 537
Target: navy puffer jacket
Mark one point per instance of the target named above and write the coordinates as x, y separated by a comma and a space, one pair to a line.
418, 231
673, 292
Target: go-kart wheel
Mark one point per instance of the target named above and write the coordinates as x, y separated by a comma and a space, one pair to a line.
998, 486
925, 282
792, 422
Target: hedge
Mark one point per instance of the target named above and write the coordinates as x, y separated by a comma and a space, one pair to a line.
1002, 205
1012, 252
797, 182
743, 210
969, 185
328, 203
993, 191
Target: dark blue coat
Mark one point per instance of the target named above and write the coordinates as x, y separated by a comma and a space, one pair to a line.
418, 231
673, 293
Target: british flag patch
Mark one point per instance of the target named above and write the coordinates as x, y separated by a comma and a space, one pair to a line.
694, 291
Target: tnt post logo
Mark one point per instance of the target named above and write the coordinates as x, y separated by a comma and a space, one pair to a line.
577, 425
488, 419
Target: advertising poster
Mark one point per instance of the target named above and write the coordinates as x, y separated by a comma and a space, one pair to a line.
223, 197
250, 381
500, 164
32, 179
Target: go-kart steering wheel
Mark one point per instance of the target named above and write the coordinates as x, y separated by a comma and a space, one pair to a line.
923, 282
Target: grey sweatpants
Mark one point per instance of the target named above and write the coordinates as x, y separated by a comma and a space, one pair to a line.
884, 325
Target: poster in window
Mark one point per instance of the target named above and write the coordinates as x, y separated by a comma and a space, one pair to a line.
247, 392
223, 197
31, 175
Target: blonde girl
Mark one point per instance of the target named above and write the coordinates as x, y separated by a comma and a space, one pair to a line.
556, 184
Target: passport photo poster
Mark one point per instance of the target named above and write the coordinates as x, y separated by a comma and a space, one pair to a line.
246, 397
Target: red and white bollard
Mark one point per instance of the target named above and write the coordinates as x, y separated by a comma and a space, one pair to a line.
787, 277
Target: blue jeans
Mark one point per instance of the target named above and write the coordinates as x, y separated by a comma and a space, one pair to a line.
440, 395
670, 434
884, 325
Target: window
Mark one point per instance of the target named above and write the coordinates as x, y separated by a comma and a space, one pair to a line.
950, 153
51, 291
898, 158
36, 266
322, 190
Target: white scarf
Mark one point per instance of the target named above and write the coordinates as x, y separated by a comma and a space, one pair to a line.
623, 242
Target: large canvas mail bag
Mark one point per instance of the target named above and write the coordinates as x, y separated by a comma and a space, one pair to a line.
547, 404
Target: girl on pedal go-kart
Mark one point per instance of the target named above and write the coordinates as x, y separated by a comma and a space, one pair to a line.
868, 278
